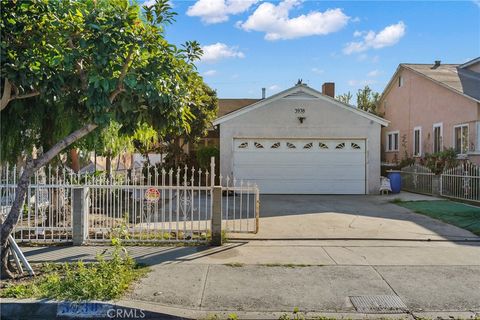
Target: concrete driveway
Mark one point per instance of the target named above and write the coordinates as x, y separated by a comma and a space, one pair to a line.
347, 217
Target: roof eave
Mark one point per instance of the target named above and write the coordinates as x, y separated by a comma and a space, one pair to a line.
258, 104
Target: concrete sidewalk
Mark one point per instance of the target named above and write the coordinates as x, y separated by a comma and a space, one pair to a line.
271, 277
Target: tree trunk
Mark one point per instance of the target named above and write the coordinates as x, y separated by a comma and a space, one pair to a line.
118, 162
108, 165
30, 167
75, 162
7, 269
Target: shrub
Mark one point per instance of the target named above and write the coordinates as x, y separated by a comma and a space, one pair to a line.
439, 161
103, 280
204, 154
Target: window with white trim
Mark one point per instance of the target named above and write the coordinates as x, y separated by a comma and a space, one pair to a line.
392, 140
400, 81
460, 138
437, 137
417, 142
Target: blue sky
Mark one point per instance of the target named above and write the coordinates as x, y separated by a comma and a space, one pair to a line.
253, 44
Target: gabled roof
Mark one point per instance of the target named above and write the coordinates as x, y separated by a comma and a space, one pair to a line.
226, 106
453, 77
297, 91
471, 62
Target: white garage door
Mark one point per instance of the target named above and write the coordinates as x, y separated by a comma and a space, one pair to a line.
292, 166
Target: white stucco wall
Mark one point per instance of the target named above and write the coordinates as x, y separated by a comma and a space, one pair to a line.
324, 119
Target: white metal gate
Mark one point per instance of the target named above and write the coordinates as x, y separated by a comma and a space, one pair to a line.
417, 178
461, 182
139, 205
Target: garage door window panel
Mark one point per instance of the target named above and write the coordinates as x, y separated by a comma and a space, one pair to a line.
303, 166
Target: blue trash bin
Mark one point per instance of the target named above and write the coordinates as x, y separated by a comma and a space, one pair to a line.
395, 180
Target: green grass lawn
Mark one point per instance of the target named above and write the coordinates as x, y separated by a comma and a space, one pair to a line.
458, 214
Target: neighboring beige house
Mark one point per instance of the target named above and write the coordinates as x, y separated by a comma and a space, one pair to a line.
432, 107
225, 106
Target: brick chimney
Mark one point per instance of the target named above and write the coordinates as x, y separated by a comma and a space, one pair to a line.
328, 89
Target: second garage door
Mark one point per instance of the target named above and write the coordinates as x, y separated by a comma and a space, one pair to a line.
307, 166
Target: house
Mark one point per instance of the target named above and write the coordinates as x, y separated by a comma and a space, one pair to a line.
432, 107
302, 141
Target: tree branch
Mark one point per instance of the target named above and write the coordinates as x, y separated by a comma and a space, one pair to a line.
7, 94
29, 170
122, 76
62, 144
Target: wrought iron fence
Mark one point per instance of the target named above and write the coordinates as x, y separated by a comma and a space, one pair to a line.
46, 214
240, 206
417, 178
138, 205
461, 182
173, 206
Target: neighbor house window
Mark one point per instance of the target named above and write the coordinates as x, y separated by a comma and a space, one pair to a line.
400, 81
437, 137
392, 141
417, 141
460, 137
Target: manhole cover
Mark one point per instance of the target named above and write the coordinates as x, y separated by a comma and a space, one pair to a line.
378, 304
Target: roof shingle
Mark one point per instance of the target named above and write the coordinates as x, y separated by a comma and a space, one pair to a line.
458, 79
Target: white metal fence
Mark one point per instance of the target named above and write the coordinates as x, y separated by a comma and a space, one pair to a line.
240, 206
461, 182
46, 214
142, 205
417, 178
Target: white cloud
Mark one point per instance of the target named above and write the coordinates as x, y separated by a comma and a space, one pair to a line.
150, 3
372, 40
274, 87
317, 70
373, 73
218, 51
356, 83
357, 33
210, 73
274, 20
216, 11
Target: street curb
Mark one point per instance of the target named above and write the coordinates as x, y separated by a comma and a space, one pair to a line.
51, 309
138, 309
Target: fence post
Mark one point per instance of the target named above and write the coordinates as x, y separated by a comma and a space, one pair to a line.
217, 216
212, 171
257, 209
436, 184
80, 216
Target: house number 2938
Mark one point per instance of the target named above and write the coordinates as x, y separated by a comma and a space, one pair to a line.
299, 110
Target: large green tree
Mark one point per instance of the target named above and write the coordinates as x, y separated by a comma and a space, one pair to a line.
367, 100
69, 68
345, 98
